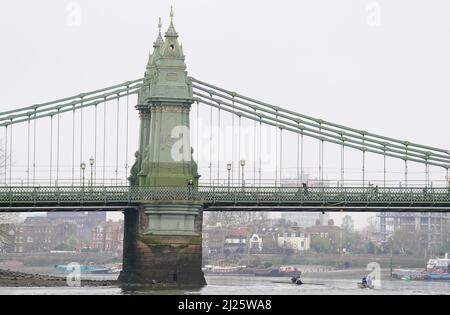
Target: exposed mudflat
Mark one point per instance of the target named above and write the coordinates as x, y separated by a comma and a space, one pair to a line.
18, 279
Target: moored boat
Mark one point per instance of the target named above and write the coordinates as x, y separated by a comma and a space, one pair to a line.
287, 271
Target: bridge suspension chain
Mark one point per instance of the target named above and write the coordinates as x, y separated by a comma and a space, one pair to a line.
355, 144
66, 104
374, 142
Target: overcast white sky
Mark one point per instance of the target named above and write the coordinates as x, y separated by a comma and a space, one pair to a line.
382, 65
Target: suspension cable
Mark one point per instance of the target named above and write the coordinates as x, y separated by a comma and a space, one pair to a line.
95, 143
117, 139
57, 149
239, 148
233, 153
6, 155
322, 143
127, 135
254, 151
260, 153
276, 154
406, 165
301, 159
73, 146
210, 143
28, 152
363, 162
298, 158
320, 156
51, 149
281, 156
198, 130
34, 149
384, 168
218, 146
10, 155
342, 164
104, 141
81, 137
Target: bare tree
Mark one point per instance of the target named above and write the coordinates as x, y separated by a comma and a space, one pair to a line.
6, 218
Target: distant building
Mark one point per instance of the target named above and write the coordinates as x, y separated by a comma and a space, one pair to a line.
295, 238
85, 221
432, 228
39, 234
306, 219
324, 231
108, 236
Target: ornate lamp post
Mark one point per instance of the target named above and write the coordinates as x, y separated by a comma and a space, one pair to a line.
91, 162
243, 180
229, 174
83, 167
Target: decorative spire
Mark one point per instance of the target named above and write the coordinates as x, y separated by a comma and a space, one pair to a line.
171, 32
159, 41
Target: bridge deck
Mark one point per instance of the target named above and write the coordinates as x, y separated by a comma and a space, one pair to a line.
36, 199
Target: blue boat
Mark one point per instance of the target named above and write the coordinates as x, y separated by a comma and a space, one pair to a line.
82, 268
440, 276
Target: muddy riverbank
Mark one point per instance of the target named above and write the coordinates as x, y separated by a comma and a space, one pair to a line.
10, 278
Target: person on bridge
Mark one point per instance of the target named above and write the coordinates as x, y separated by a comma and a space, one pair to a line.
305, 188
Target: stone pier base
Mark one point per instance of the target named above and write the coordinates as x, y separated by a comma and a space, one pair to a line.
159, 260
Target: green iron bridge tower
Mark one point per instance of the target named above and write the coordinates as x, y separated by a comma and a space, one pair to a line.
163, 238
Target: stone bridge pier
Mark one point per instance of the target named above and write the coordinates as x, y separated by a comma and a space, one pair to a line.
160, 259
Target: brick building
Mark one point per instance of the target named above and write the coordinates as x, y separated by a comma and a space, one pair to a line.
108, 236
39, 234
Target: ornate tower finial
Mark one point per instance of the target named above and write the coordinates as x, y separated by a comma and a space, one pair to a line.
159, 40
171, 32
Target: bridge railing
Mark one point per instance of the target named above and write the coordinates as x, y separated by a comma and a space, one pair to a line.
214, 194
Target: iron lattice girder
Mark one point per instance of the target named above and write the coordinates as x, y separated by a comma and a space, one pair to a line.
250, 198
357, 139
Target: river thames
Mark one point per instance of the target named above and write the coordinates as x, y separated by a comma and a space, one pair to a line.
241, 285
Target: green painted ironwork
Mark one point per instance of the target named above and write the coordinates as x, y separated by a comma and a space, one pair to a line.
252, 109
362, 140
227, 196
